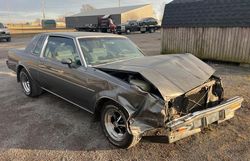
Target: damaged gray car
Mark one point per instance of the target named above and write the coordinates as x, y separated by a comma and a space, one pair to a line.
131, 94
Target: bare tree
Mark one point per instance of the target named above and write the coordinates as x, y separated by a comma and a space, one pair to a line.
87, 7
61, 19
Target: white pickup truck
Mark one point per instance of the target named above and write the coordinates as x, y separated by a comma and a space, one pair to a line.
4, 33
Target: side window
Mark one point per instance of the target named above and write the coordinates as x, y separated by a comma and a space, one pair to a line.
30, 47
59, 48
39, 45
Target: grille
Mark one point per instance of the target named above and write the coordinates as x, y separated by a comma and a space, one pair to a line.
197, 101
191, 103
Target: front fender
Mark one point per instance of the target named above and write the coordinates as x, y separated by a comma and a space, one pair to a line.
145, 111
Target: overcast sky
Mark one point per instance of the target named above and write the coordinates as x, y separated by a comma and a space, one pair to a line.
28, 10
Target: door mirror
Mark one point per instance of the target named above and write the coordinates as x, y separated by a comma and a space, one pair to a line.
67, 61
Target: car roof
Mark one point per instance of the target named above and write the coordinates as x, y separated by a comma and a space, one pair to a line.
83, 34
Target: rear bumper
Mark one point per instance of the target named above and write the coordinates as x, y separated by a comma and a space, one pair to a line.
10, 65
194, 122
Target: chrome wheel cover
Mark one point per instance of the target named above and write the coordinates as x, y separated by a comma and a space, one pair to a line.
25, 83
115, 124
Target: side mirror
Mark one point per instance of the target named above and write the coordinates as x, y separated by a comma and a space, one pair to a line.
67, 62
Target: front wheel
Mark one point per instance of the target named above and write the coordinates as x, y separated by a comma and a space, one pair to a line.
114, 124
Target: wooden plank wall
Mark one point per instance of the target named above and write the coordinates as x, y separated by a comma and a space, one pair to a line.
223, 44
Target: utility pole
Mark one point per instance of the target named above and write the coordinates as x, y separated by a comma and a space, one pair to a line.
8, 11
43, 9
119, 3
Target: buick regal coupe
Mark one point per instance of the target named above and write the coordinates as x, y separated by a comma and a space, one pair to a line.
131, 94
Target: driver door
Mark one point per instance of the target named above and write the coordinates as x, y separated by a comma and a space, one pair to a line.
67, 81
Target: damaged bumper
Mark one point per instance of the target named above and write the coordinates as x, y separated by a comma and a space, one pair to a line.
193, 122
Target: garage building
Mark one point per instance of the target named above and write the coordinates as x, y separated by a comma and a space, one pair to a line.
210, 29
118, 14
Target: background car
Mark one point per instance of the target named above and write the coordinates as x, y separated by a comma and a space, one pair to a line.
4, 33
148, 21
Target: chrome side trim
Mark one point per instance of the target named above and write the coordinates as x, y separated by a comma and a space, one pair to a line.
68, 100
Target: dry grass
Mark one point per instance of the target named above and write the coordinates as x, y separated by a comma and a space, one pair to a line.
33, 29
38, 30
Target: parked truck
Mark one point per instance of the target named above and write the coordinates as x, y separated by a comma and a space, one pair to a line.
145, 25
48, 24
105, 24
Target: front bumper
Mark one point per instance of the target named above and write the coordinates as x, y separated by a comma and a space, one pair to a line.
194, 122
4, 36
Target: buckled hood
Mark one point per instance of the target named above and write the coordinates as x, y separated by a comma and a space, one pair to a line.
172, 75
4, 30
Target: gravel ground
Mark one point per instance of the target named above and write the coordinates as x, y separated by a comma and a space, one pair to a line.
48, 128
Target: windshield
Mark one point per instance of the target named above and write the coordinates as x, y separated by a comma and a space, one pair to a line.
1, 25
106, 50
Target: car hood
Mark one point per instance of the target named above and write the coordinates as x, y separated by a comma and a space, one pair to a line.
4, 30
173, 75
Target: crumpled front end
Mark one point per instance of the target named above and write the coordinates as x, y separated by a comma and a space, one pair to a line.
184, 115
193, 123
170, 88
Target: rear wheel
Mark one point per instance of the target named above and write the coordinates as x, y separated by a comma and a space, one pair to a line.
128, 31
30, 88
8, 39
152, 30
114, 124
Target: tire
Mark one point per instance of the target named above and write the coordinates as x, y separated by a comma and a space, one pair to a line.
30, 88
152, 30
113, 122
8, 39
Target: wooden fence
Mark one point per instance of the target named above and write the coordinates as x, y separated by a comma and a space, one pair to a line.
218, 43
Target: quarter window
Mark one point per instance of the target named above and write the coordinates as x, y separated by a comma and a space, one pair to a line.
39, 46
30, 47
